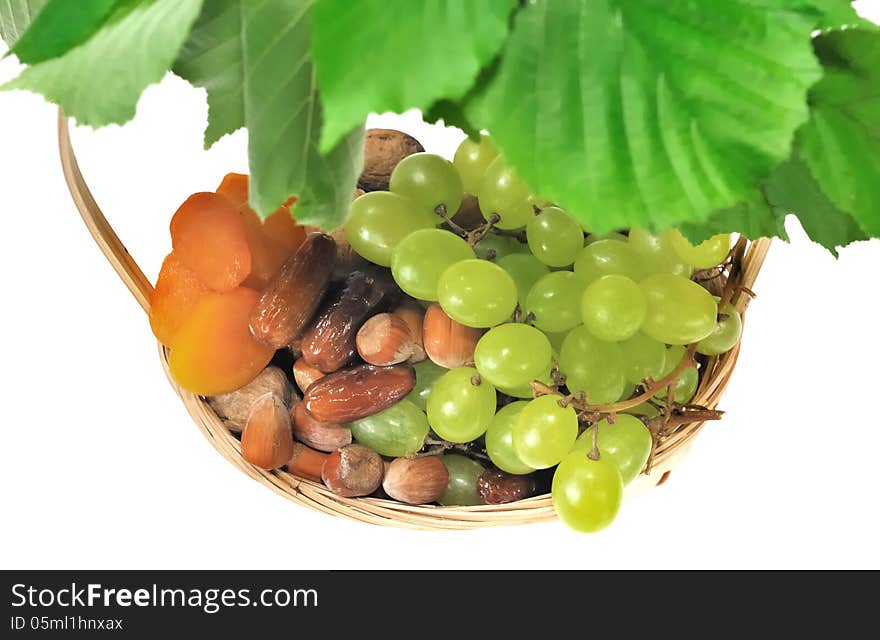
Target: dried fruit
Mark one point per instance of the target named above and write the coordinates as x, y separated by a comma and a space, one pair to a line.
318, 435
416, 480
293, 295
267, 439
266, 255
178, 291
330, 342
385, 339
500, 487
283, 229
235, 187
306, 462
414, 316
235, 406
209, 236
448, 343
214, 351
356, 393
347, 259
353, 471
305, 374
383, 150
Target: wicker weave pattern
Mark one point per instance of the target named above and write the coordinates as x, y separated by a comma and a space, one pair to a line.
372, 510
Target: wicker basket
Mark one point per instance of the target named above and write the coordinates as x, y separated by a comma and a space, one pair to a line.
667, 453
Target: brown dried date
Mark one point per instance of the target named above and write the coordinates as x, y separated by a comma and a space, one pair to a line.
358, 392
499, 487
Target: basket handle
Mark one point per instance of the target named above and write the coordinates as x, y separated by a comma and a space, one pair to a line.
108, 242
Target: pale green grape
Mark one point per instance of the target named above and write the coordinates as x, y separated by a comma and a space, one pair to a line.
397, 431
555, 300
628, 390
593, 366
477, 293
512, 354
495, 247
461, 489
379, 220
658, 254
554, 237
471, 159
525, 390
427, 374
526, 270
726, 334
587, 493
627, 443
708, 254
679, 310
499, 440
502, 192
458, 409
556, 339
544, 432
420, 258
643, 357
429, 180
688, 381
613, 308
614, 235
607, 258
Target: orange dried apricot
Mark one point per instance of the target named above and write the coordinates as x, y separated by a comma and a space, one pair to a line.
209, 236
214, 351
177, 292
280, 227
235, 187
266, 256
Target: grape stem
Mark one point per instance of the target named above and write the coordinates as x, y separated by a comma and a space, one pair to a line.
441, 211
594, 450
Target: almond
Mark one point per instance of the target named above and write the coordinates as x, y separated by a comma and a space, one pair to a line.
448, 343
416, 480
353, 471
356, 393
385, 339
414, 316
305, 374
235, 406
267, 439
306, 462
499, 487
318, 435
294, 293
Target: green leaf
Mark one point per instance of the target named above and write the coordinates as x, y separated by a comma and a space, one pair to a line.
100, 81
212, 58
646, 112
393, 55
754, 218
62, 25
284, 119
840, 144
16, 16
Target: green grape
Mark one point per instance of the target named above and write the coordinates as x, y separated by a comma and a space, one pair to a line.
628, 390
555, 301
427, 374
657, 253
471, 159
496, 247
627, 443
708, 254
458, 409
379, 220
477, 293
502, 192
499, 440
430, 181
512, 354
556, 339
397, 431
688, 381
461, 489
614, 235
554, 237
645, 409
608, 258
679, 310
420, 258
587, 493
526, 270
544, 432
593, 366
726, 334
643, 357
525, 390
613, 308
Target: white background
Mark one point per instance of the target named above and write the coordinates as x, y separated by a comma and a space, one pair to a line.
103, 468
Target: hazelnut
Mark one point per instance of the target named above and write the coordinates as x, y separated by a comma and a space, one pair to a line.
352, 471
385, 340
306, 462
305, 374
414, 316
416, 480
448, 343
318, 435
267, 439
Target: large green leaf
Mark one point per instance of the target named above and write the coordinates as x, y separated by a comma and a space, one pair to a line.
393, 55
133, 50
62, 25
841, 143
754, 218
16, 16
646, 112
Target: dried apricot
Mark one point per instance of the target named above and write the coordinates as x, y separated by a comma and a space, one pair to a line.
281, 228
208, 234
214, 351
235, 187
177, 292
266, 256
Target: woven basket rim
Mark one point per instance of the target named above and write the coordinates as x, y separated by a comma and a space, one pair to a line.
378, 511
